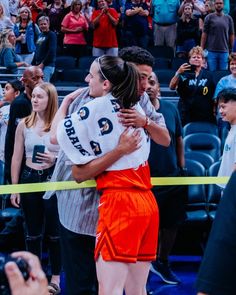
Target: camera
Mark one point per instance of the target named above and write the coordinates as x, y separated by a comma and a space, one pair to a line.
22, 265
193, 68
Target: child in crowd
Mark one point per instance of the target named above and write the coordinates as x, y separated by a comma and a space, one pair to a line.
227, 110
11, 91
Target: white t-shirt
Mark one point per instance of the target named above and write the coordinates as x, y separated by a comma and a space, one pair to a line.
229, 155
4, 116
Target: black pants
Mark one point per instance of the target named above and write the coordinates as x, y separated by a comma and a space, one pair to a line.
41, 218
78, 263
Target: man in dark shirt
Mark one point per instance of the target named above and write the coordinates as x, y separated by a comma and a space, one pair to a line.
20, 108
167, 161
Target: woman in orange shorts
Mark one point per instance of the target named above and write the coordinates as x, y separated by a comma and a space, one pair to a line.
95, 140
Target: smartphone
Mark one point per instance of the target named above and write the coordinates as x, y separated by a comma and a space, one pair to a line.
193, 68
37, 149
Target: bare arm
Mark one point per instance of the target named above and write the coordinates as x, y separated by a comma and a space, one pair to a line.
17, 160
180, 152
113, 20
95, 22
231, 41
128, 143
61, 113
131, 117
18, 153
175, 80
203, 40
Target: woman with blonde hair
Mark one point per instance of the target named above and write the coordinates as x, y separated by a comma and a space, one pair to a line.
41, 216
5, 22
8, 56
26, 35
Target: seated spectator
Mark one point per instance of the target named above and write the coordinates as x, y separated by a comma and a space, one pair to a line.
136, 23
36, 6
56, 11
105, 20
187, 32
8, 57
46, 46
228, 81
11, 91
74, 26
5, 22
195, 87
26, 35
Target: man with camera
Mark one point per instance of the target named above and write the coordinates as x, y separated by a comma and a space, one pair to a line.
196, 88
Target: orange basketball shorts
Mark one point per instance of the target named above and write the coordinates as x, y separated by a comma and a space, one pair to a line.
128, 226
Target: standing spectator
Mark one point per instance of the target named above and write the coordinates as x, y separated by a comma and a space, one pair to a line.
11, 91
218, 37
74, 26
165, 17
46, 47
195, 88
87, 11
56, 11
136, 23
8, 56
13, 8
26, 35
5, 5
227, 109
40, 216
233, 15
187, 32
5, 22
228, 81
105, 20
35, 6
167, 161
20, 108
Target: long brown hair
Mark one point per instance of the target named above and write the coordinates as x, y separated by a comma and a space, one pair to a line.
50, 110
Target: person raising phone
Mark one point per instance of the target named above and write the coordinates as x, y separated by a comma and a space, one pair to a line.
41, 216
196, 88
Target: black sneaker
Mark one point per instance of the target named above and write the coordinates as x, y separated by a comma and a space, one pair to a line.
164, 271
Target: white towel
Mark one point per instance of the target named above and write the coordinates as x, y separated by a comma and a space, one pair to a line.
94, 130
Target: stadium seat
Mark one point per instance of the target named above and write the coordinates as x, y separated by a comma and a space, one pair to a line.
164, 76
196, 127
162, 51
217, 75
161, 63
213, 192
72, 77
203, 142
177, 62
196, 205
85, 62
203, 158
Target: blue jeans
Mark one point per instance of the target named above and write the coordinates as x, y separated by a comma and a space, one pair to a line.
47, 73
217, 60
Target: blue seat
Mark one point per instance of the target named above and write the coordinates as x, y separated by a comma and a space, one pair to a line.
196, 205
85, 62
205, 159
203, 142
164, 76
213, 192
196, 127
162, 51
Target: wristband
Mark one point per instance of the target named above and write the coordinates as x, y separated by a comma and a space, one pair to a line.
147, 123
177, 74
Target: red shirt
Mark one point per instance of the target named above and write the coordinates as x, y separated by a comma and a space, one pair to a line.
104, 34
72, 22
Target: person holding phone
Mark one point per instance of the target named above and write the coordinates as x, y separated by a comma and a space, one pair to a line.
196, 88
41, 216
